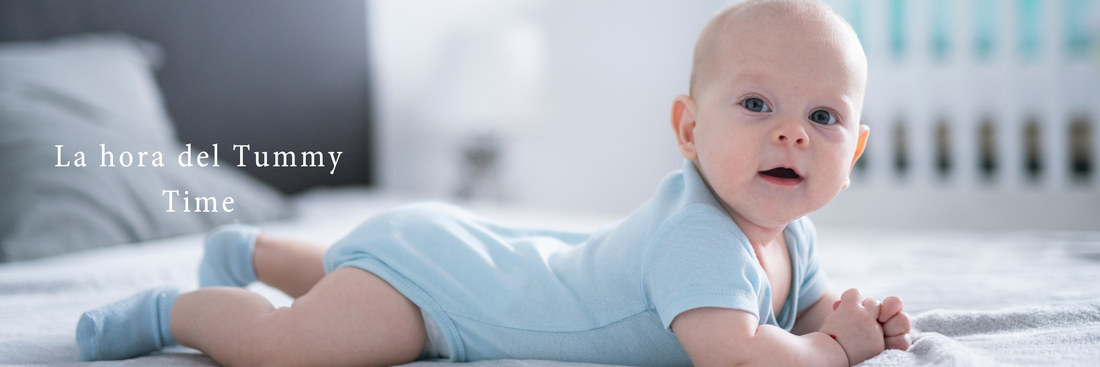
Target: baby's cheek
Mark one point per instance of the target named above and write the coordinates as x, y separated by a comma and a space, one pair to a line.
722, 165
828, 183
728, 184
834, 165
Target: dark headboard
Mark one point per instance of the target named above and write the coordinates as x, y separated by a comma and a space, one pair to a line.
278, 75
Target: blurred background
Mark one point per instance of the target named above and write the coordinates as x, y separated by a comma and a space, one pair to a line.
983, 113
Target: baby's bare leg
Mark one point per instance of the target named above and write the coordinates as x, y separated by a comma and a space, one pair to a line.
351, 317
288, 265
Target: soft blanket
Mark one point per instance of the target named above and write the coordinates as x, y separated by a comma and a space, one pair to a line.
977, 299
1064, 334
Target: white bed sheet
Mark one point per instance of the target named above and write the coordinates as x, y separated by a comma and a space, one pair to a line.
948, 280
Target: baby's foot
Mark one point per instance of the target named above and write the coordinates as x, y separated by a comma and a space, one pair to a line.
227, 260
127, 328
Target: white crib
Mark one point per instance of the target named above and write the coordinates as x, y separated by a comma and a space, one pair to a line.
983, 114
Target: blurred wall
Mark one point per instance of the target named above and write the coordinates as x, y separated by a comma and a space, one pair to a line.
601, 140
611, 70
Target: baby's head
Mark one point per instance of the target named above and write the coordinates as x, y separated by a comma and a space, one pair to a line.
772, 120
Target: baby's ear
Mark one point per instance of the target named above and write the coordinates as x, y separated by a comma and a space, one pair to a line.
861, 143
683, 125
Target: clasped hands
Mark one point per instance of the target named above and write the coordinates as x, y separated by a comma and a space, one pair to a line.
866, 327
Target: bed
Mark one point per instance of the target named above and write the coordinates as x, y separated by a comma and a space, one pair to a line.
978, 298
75, 239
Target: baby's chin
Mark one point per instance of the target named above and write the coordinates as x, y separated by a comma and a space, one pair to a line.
782, 209
771, 213
765, 207
779, 217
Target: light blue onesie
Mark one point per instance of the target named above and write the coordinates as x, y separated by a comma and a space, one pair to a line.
604, 297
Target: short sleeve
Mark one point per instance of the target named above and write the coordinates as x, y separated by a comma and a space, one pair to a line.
699, 258
814, 280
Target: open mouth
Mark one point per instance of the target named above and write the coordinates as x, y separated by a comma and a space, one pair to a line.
781, 176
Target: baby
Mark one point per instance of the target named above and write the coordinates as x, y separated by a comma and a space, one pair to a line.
720, 267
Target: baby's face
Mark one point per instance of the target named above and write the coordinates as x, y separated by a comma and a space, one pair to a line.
777, 122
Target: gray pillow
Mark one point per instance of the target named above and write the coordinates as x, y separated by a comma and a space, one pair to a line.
80, 92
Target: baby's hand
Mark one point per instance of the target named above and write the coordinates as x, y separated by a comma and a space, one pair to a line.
895, 323
855, 325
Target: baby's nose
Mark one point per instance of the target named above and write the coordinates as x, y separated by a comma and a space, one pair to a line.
790, 130
797, 140
791, 133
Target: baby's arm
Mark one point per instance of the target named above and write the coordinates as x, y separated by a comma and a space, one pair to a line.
722, 337
810, 319
728, 337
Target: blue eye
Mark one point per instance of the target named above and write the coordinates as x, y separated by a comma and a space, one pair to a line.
756, 105
822, 117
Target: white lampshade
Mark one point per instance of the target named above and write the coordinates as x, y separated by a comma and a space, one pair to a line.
491, 78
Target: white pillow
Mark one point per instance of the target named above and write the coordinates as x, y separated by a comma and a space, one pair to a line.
80, 92
106, 76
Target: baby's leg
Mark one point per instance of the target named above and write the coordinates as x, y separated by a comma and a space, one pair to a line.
350, 317
237, 255
288, 265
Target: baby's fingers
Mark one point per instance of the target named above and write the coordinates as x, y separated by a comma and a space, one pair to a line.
897, 325
899, 342
890, 306
851, 297
871, 308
